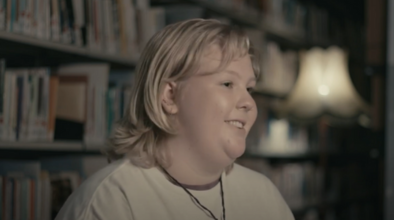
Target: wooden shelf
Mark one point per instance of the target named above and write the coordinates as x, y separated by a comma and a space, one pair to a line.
44, 146
36, 150
268, 94
9, 42
289, 156
238, 16
336, 158
284, 34
242, 17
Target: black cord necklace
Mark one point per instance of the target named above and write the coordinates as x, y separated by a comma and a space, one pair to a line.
197, 201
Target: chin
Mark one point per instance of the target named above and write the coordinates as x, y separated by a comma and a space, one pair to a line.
235, 151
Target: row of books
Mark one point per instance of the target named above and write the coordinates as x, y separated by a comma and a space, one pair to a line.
92, 98
301, 184
76, 102
25, 104
36, 190
111, 26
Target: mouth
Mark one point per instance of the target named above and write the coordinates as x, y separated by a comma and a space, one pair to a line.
236, 123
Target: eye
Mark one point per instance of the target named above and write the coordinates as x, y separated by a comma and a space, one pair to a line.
250, 90
228, 84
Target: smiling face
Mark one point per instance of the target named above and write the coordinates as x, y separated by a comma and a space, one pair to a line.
216, 111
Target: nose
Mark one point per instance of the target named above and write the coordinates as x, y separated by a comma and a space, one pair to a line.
246, 102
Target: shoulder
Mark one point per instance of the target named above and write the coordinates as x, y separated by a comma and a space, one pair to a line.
245, 176
247, 183
107, 184
250, 179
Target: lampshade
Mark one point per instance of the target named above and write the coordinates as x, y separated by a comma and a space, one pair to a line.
323, 87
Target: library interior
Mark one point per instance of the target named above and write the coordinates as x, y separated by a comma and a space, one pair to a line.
325, 96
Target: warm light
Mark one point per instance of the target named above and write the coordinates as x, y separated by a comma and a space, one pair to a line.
324, 90
323, 87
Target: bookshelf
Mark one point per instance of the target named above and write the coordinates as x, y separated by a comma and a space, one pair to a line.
37, 39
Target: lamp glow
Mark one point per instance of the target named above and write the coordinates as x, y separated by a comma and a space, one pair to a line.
323, 87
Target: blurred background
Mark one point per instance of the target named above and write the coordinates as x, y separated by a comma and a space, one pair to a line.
324, 134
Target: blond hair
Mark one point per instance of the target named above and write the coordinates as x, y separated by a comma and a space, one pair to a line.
172, 54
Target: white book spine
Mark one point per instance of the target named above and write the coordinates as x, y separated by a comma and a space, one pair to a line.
45, 106
41, 8
2, 14
55, 21
25, 102
6, 108
79, 21
13, 109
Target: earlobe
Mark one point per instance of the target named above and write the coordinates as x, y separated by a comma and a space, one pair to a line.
168, 98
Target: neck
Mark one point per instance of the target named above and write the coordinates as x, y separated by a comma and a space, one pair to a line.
187, 167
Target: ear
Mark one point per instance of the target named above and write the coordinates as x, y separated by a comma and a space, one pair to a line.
168, 98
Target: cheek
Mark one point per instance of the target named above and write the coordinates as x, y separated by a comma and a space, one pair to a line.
195, 109
213, 113
218, 108
204, 105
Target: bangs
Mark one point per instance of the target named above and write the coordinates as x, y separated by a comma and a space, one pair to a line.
233, 44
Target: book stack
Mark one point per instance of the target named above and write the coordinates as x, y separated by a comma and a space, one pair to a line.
37, 189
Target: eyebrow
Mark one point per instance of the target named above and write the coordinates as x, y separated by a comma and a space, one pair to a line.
238, 75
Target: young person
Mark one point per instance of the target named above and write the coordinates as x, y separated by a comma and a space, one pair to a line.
186, 124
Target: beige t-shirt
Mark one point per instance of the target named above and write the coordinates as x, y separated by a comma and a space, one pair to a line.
122, 191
